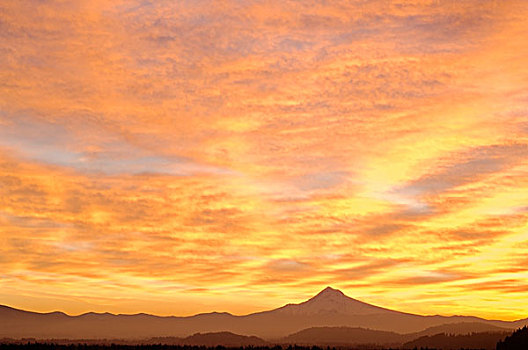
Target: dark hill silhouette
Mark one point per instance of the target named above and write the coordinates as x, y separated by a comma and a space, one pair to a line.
342, 336
459, 328
338, 336
227, 339
329, 308
485, 340
518, 340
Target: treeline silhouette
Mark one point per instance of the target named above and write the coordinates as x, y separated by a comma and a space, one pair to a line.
518, 340
84, 346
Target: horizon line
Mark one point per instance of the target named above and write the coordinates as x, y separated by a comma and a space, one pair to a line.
328, 288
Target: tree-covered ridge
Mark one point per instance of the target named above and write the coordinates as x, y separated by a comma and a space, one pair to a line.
113, 346
518, 340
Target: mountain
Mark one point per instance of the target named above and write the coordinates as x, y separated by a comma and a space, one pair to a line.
331, 302
329, 308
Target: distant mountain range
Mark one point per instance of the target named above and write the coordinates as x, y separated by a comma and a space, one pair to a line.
328, 318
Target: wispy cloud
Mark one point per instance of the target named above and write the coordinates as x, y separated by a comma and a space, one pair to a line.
185, 152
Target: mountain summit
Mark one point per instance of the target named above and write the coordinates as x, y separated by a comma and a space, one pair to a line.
330, 292
335, 302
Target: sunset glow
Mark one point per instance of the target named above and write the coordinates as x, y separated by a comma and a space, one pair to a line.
178, 157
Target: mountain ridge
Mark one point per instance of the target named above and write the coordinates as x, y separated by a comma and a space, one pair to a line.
329, 308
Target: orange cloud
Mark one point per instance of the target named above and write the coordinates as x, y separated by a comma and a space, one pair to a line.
165, 157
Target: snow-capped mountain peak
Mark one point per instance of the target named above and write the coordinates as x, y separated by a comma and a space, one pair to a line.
332, 301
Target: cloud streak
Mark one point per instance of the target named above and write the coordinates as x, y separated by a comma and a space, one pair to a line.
178, 154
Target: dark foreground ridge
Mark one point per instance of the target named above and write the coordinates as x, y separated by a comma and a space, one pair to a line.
217, 341
486, 340
321, 337
517, 341
54, 346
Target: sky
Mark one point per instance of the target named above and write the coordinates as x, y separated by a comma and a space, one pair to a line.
179, 157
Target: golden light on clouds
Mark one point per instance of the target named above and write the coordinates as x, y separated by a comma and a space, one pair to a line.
181, 157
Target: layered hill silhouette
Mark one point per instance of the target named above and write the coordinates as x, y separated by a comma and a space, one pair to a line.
341, 336
329, 308
484, 340
226, 339
435, 337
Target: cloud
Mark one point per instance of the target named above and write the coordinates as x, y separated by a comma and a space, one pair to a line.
286, 265
186, 152
57, 144
428, 278
475, 164
367, 269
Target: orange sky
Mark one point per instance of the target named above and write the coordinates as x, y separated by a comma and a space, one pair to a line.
176, 157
